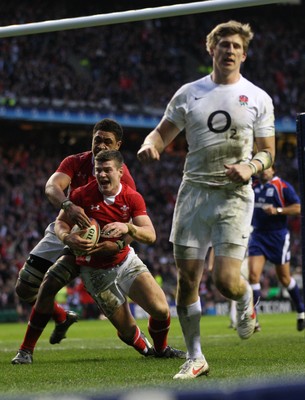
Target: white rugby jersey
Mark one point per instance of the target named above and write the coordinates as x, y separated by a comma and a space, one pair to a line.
220, 122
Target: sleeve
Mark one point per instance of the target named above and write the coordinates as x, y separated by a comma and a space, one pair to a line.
127, 178
177, 107
290, 195
67, 166
138, 206
264, 123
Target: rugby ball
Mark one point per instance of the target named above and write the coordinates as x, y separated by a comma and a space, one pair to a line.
92, 233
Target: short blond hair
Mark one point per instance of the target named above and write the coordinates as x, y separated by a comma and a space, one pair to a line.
229, 28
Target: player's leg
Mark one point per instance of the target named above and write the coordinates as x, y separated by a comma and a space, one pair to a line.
189, 273
283, 273
256, 266
135, 281
230, 231
128, 331
145, 291
61, 273
103, 287
230, 283
43, 255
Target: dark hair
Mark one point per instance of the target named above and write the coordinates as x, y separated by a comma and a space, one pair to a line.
109, 155
109, 125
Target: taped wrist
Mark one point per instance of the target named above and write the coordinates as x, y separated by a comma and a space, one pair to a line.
265, 158
131, 229
121, 244
66, 204
253, 167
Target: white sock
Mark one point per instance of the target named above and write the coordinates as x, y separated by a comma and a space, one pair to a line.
246, 296
291, 284
189, 318
233, 312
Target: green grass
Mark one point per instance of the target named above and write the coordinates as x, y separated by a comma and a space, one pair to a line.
93, 360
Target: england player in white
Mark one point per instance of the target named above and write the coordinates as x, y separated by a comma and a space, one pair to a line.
224, 116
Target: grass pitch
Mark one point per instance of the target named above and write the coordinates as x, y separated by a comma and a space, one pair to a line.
92, 360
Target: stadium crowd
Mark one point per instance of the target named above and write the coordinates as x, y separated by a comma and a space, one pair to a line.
136, 67
133, 68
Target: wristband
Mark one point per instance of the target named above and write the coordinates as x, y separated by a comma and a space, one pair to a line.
131, 229
63, 237
66, 204
121, 244
265, 158
148, 144
253, 167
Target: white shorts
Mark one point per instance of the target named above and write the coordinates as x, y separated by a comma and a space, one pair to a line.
50, 247
109, 287
221, 217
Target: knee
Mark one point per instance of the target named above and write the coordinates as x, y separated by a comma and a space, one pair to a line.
50, 285
25, 292
161, 313
187, 285
30, 278
227, 286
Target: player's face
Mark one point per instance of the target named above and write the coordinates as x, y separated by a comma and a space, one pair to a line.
104, 141
267, 175
108, 176
228, 54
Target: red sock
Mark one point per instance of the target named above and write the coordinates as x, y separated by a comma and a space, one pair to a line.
158, 330
137, 342
36, 325
59, 314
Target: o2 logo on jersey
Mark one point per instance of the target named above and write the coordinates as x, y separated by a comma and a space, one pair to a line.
226, 120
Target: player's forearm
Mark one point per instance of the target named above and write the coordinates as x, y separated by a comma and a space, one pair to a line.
143, 234
154, 139
55, 195
62, 228
293, 209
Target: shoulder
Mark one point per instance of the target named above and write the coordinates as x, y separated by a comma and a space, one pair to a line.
128, 190
78, 157
254, 89
87, 189
194, 86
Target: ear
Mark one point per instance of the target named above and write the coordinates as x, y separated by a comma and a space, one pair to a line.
243, 59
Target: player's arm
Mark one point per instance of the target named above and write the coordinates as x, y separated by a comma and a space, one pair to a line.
63, 226
157, 140
140, 229
291, 209
55, 189
263, 159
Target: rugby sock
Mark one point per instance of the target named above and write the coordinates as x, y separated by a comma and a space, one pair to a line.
137, 342
233, 313
256, 287
158, 331
294, 293
189, 317
36, 325
59, 314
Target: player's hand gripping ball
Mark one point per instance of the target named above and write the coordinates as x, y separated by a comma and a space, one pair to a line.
92, 233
